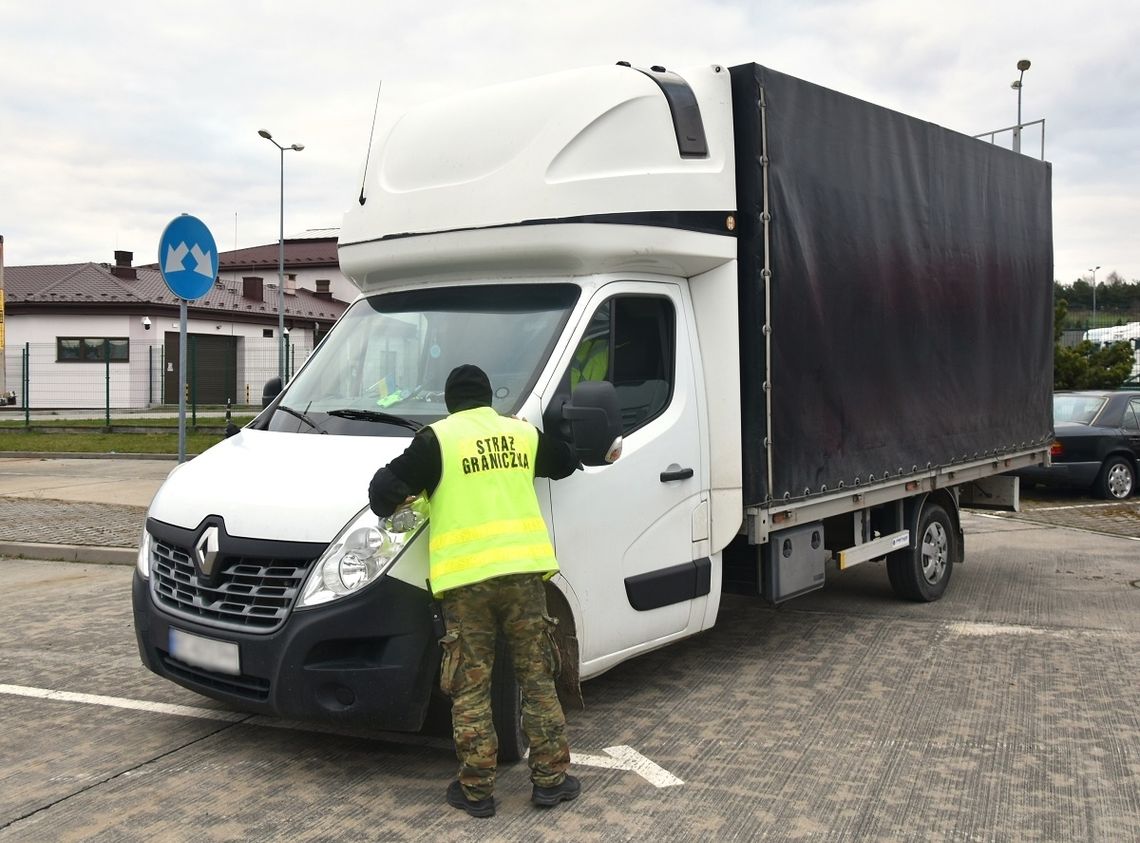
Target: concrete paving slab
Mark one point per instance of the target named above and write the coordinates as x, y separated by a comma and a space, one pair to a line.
125, 482
1008, 710
84, 748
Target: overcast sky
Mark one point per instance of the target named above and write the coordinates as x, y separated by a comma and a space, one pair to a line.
117, 115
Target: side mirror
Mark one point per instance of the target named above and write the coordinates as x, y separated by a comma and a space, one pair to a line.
595, 422
270, 391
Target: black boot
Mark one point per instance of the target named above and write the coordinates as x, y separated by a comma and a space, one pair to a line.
567, 789
456, 798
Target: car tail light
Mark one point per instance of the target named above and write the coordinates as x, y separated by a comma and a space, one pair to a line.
1056, 449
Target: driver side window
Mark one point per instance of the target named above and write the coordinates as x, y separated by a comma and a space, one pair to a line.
631, 342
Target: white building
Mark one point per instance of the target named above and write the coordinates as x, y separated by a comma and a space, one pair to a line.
91, 335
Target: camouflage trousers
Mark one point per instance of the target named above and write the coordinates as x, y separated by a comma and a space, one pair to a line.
515, 607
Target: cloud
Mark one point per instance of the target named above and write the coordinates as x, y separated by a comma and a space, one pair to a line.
129, 112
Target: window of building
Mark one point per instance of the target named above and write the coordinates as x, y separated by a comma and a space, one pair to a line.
267, 333
92, 349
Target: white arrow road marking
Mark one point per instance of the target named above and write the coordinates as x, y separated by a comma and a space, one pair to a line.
174, 257
616, 757
635, 762
204, 261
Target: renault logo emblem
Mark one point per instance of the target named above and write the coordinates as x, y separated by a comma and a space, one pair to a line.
206, 551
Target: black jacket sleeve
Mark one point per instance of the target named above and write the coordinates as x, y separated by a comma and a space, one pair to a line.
416, 470
554, 458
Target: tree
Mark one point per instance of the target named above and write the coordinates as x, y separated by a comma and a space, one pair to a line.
1087, 365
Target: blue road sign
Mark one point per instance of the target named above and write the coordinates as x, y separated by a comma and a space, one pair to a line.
188, 257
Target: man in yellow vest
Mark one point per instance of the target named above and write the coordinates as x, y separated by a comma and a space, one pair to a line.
489, 553
591, 361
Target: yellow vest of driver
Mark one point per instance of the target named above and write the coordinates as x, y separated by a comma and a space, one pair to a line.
485, 520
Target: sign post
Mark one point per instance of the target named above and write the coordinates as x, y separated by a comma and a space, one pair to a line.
188, 261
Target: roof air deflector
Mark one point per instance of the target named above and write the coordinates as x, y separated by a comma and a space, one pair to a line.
687, 123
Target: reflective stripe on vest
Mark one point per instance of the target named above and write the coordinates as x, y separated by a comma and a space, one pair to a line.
485, 518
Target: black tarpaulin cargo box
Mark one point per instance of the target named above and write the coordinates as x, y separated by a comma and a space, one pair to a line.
910, 295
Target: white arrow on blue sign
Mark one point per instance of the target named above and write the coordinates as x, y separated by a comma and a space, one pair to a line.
187, 257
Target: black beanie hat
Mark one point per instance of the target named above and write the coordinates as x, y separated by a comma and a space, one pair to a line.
467, 387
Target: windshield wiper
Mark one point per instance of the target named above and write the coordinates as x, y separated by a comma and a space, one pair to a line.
302, 416
375, 416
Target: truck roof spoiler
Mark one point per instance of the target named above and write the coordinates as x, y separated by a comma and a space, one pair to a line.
687, 122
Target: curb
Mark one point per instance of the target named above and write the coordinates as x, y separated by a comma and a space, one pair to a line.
69, 553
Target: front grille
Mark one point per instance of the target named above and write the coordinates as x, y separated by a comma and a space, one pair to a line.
252, 594
249, 687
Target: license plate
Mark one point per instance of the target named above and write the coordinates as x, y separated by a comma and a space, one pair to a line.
208, 653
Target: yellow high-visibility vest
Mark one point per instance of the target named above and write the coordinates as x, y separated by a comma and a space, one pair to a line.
485, 519
591, 361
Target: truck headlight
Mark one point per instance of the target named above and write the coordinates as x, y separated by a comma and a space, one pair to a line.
361, 554
143, 561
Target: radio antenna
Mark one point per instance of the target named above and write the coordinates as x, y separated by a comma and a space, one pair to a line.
368, 153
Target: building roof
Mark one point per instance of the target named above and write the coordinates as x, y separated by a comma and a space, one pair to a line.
94, 284
298, 255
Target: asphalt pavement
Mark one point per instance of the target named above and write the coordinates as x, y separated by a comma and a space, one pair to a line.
1006, 711
91, 509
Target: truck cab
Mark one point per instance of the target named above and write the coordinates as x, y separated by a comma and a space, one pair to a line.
570, 215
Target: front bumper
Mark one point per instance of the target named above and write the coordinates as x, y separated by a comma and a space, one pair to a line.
367, 660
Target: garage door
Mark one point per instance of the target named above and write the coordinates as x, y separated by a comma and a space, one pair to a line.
211, 368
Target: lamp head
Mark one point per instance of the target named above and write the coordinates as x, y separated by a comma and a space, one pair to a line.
297, 147
1023, 65
265, 134
1015, 84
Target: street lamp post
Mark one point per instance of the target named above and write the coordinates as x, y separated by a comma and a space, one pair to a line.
1093, 271
296, 147
1023, 66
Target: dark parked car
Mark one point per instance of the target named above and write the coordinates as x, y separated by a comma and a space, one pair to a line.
1097, 443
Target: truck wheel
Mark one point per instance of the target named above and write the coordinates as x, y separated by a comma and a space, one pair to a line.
1116, 480
506, 706
922, 573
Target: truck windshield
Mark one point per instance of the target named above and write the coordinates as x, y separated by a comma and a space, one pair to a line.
386, 362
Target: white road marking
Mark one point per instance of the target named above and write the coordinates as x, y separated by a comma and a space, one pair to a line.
1012, 518
1075, 506
616, 758
638, 763
121, 702
979, 629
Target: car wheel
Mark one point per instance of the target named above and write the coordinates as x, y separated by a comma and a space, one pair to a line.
921, 573
506, 706
1117, 479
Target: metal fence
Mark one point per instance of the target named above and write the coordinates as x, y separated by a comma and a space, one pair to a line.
105, 378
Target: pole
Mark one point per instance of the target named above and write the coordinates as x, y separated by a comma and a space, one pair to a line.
1017, 130
26, 386
194, 384
181, 380
107, 380
1093, 271
281, 278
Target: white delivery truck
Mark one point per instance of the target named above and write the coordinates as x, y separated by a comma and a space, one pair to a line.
818, 326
